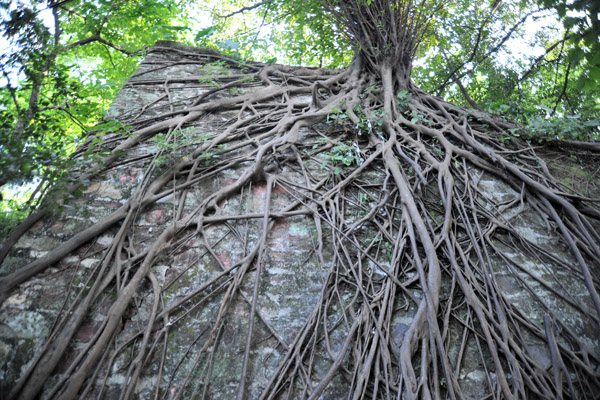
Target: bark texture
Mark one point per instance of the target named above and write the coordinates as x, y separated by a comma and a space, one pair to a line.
264, 231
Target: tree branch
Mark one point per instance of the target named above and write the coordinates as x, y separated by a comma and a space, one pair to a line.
54, 4
549, 50
466, 95
11, 89
82, 42
114, 46
243, 9
57, 30
508, 35
97, 38
564, 90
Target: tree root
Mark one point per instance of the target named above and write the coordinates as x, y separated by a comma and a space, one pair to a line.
425, 245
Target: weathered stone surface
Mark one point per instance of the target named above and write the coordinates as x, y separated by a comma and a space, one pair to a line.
290, 284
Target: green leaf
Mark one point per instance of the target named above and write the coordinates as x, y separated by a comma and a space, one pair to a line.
590, 86
580, 83
569, 22
575, 55
177, 28
206, 32
594, 73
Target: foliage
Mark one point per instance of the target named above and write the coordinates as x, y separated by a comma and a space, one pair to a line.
344, 154
61, 67
169, 148
581, 18
570, 127
539, 125
514, 52
284, 31
12, 210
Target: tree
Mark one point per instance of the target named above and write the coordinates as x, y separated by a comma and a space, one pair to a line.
427, 213
63, 63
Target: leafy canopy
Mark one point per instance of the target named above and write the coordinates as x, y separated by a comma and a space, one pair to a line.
62, 64
535, 61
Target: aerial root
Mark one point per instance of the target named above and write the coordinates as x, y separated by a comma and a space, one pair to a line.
423, 246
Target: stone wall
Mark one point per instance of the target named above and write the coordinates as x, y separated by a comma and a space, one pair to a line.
293, 275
